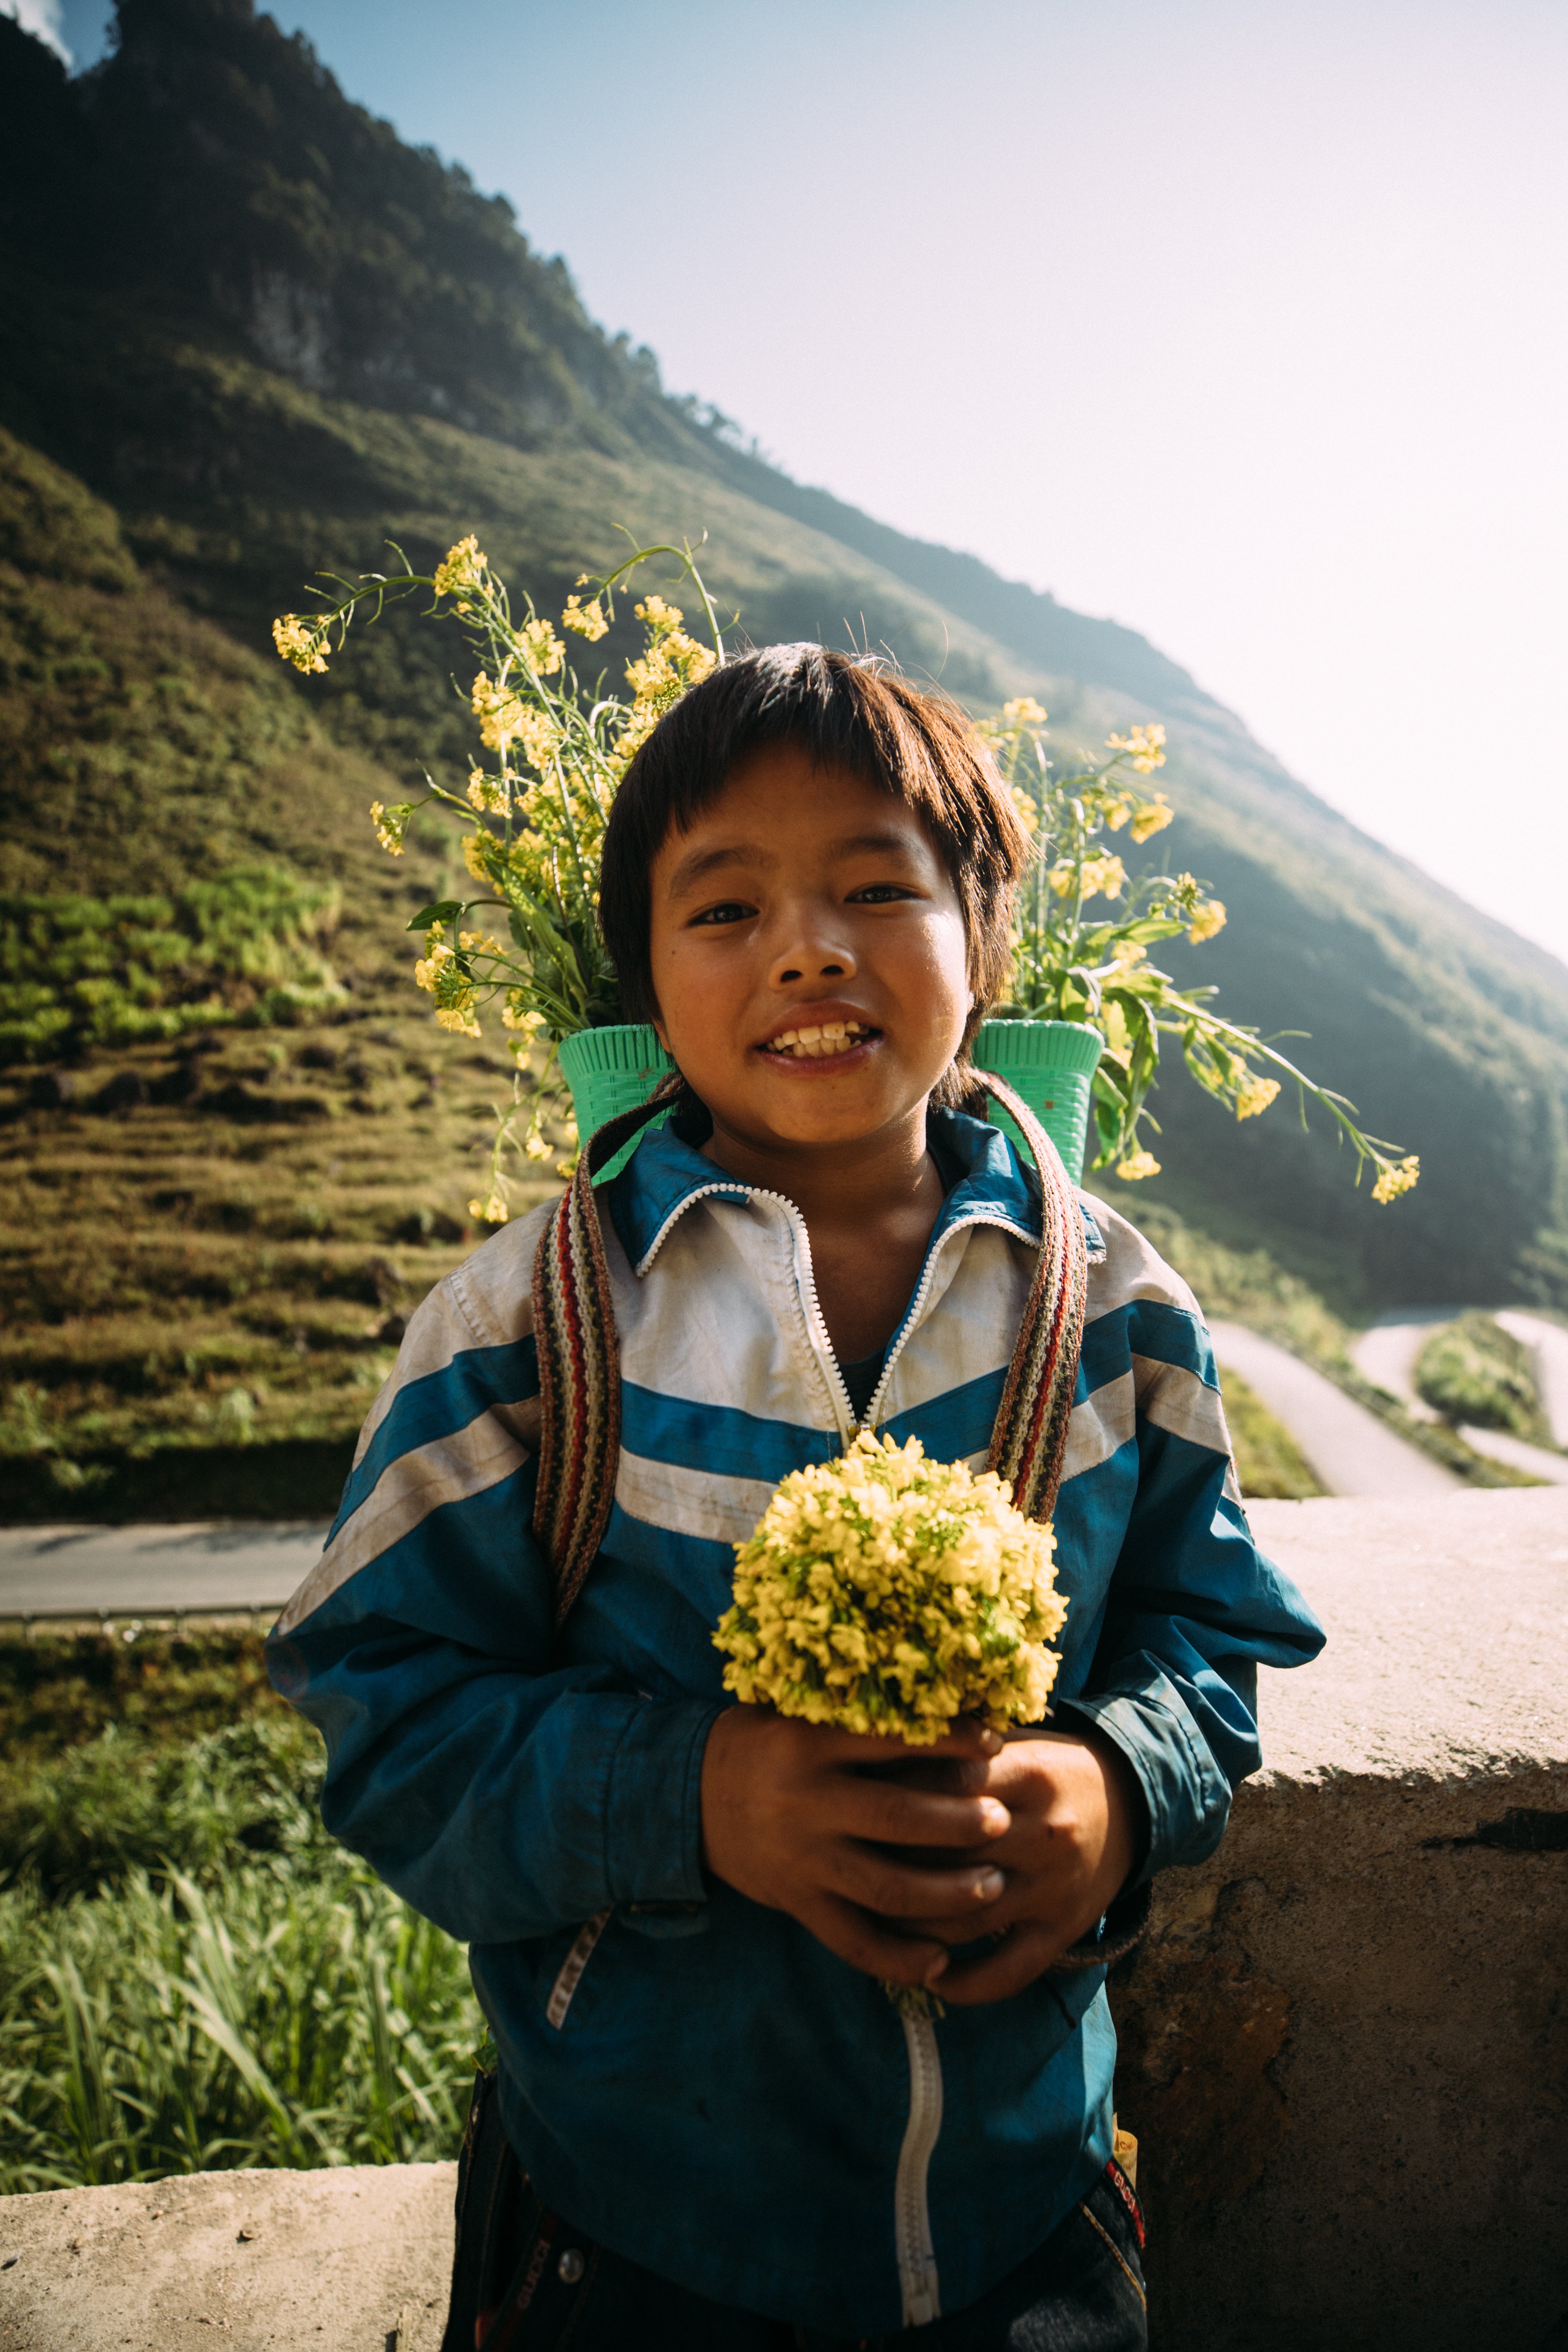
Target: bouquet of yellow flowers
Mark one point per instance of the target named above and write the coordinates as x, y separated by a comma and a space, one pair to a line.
884, 1592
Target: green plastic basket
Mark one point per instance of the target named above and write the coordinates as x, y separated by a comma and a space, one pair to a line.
609, 1071
1052, 1065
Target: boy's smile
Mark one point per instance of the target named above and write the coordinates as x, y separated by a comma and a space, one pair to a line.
809, 957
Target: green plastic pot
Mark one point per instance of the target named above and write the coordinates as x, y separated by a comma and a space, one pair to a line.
609, 1071
1052, 1065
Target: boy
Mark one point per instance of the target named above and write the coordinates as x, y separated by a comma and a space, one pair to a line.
709, 2124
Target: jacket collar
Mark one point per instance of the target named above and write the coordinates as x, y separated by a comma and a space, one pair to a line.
664, 1176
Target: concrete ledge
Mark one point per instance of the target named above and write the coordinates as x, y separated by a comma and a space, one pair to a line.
1343, 2040
357, 2259
1344, 2047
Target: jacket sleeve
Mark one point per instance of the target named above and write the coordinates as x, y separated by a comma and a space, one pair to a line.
1193, 1608
504, 1796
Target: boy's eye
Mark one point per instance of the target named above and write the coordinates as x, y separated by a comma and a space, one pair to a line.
732, 910
877, 894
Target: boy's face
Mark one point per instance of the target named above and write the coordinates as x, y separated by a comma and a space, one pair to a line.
801, 898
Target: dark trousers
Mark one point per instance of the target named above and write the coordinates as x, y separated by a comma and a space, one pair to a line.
525, 2279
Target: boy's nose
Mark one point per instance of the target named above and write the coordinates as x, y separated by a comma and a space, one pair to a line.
811, 954
809, 968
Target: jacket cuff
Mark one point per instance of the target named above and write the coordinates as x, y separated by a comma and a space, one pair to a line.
653, 1809
1187, 1795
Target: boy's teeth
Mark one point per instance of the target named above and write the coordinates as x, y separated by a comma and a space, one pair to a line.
829, 1037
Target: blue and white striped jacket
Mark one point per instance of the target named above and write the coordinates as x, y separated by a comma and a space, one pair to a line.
693, 2079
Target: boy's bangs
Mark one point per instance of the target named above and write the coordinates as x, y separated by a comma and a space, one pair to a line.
916, 746
799, 693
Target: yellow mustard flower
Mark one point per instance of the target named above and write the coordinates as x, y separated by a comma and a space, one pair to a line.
391, 825
585, 620
1254, 1093
1397, 1176
1137, 1166
1103, 876
459, 1017
500, 714
888, 1594
461, 569
489, 794
474, 847
1024, 711
1152, 818
516, 1015
493, 1211
1025, 808
303, 643
546, 650
1208, 917
1143, 744
430, 965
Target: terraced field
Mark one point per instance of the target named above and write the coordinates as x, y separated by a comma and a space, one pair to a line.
209, 1256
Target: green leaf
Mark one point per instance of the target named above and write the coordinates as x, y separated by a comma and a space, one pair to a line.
444, 911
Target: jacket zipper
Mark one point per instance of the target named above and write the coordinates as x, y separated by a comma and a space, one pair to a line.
805, 1277
922, 1291
911, 2211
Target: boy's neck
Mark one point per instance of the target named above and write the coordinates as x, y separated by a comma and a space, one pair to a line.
859, 1182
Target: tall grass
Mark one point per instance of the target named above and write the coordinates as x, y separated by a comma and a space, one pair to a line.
193, 1976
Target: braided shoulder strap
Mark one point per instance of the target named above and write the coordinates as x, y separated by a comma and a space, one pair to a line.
1029, 1435
579, 1353
580, 1364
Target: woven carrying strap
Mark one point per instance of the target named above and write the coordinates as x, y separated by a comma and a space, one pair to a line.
580, 1364
1029, 1435
579, 1352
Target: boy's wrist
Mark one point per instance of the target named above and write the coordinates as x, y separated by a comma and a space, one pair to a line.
1184, 1798
1125, 1798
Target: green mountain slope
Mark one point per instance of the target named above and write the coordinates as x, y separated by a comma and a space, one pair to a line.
266, 336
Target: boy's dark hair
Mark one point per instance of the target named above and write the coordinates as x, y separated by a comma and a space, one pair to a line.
916, 746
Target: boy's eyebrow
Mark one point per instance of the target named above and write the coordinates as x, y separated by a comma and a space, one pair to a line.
703, 862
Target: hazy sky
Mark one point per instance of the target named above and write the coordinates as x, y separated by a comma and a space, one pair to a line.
1241, 323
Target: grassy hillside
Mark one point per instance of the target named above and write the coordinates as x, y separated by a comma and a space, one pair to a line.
261, 335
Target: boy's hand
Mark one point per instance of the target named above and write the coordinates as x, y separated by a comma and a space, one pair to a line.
1075, 1836
793, 1817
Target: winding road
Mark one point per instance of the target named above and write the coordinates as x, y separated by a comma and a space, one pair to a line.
1348, 1450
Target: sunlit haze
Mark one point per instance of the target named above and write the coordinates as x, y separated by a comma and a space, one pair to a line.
1241, 324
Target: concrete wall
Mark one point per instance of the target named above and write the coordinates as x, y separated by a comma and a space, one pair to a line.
1345, 2048
357, 2259
1345, 2039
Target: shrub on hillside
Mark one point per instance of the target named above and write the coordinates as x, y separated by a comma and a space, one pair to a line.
1474, 1370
